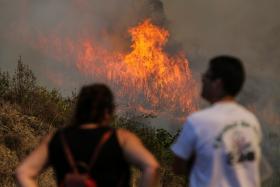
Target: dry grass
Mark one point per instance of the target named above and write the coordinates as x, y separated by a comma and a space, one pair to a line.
19, 134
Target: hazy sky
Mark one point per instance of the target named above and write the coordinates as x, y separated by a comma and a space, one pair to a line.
248, 29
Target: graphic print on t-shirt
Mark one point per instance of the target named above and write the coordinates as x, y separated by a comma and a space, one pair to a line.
238, 142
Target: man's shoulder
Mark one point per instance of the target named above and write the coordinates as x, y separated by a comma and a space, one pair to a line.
248, 113
201, 114
200, 118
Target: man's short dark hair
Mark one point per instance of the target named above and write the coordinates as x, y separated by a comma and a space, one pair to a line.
230, 70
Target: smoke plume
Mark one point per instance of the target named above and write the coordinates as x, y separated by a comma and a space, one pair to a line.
247, 29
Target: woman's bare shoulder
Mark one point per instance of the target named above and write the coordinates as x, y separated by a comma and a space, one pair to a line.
125, 135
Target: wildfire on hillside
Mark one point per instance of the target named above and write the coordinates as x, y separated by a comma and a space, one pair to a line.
145, 77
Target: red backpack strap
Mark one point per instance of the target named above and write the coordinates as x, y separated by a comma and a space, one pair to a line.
68, 153
103, 140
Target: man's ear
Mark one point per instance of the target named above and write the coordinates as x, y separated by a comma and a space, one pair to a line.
218, 83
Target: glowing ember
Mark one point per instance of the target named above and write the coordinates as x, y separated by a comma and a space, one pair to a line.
146, 77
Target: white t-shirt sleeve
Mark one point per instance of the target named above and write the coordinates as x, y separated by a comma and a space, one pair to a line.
184, 145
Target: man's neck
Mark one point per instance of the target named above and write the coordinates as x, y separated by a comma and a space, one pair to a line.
223, 99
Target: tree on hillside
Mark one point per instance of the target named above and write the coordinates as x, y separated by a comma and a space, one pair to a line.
4, 83
23, 82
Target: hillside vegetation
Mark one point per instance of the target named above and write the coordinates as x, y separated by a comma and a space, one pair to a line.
29, 111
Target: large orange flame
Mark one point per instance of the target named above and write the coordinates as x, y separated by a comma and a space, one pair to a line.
146, 77
161, 77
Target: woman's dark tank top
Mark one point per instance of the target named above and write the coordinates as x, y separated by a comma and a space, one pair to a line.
110, 169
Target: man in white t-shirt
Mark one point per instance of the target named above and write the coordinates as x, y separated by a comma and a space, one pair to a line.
225, 138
